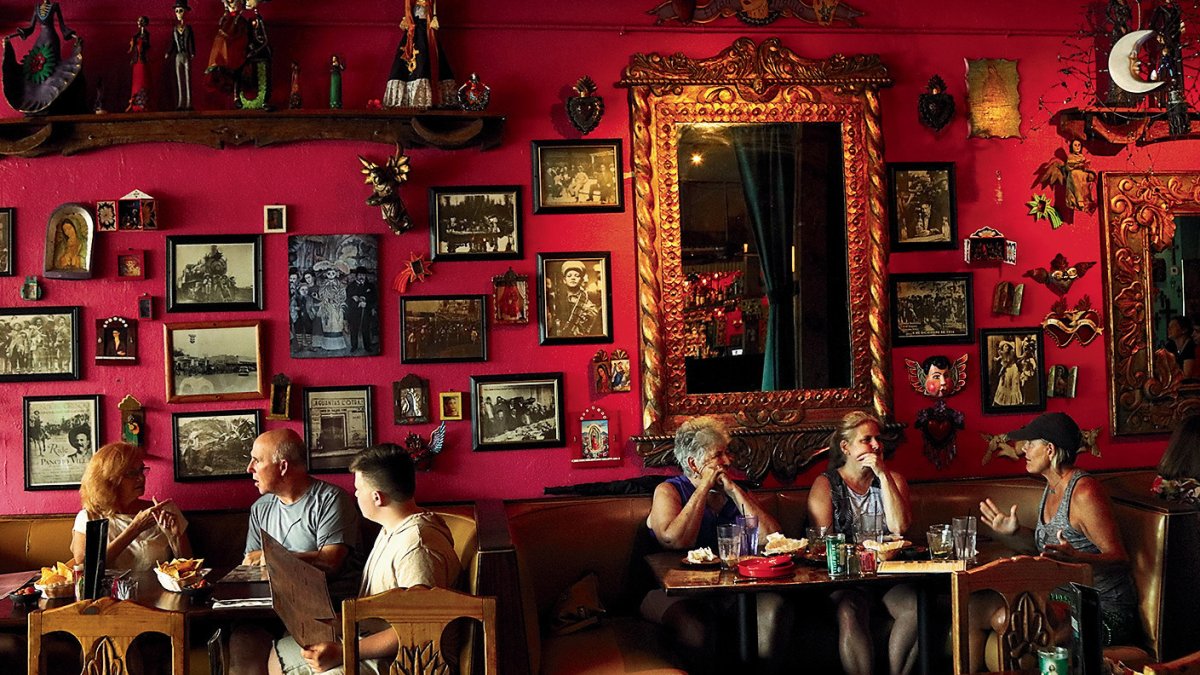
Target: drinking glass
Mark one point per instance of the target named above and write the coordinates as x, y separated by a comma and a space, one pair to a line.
729, 545
963, 529
870, 527
816, 539
941, 542
749, 534
126, 589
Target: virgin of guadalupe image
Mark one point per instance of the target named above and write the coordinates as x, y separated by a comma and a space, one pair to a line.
70, 246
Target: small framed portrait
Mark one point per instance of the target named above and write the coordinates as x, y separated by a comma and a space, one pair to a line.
618, 371
131, 264
212, 445
281, 398
61, 433
600, 375
517, 411
932, 309
116, 340
410, 400
923, 206
575, 305
510, 298
274, 218
443, 328
450, 406
594, 430
333, 295
214, 361
475, 223
8, 217
69, 235
1062, 381
42, 343
106, 216
337, 425
1013, 369
221, 273
577, 176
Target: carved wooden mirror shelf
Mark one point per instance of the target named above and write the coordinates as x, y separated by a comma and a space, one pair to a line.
761, 247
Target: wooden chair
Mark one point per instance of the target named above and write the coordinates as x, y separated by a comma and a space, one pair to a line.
105, 628
1184, 665
1024, 584
419, 615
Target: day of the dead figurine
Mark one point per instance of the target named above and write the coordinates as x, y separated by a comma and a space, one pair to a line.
44, 74
182, 46
255, 74
295, 101
228, 47
139, 46
420, 76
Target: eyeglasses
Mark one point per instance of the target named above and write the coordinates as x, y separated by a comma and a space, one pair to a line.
135, 473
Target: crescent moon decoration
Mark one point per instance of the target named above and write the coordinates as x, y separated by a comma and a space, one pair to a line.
1123, 61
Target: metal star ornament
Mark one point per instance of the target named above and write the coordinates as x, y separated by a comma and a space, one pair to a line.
417, 268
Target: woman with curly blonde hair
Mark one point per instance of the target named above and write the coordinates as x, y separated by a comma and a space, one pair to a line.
140, 533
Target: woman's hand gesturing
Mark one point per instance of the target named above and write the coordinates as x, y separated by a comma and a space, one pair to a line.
1003, 523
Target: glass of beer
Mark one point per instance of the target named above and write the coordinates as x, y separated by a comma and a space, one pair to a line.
941, 542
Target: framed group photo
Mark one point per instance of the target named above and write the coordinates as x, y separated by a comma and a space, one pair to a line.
932, 309
61, 433
517, 411
923, 206
1013, 367
337, 425
42, 343
213, 445
577, 176
219, 273
575, 305
443, 328
214, 361
481, 222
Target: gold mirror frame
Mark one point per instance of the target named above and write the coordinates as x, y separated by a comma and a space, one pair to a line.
749, 83
1139, 221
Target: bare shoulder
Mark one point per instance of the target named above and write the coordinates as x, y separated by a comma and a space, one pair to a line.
1090, 490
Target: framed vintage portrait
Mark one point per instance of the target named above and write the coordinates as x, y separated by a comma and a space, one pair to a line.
577, 176
61, 434
478, 222
932, 309
333, 294
575, 303
214, 444
450, 406
443, 328
274, 218
410, 400
923, 206
337, 425
131, 264
214, 361
69, 236
43, 343
116, 340
1013, 366
517, 411
510, 298
106, 216
214, 273
8, 217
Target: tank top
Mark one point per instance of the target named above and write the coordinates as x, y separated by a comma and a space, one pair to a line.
707, 536
849, 507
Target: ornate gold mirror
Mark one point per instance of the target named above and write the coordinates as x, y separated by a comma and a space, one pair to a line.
761, 243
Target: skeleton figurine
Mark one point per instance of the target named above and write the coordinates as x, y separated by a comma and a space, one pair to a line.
385, 180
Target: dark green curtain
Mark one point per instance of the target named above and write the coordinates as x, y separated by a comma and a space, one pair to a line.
767, 163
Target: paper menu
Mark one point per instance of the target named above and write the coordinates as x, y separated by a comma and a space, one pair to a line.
299, 594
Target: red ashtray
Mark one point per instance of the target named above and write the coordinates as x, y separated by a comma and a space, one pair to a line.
774, 567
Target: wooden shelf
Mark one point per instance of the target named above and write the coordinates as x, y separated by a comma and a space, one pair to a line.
72, 134
1122, 126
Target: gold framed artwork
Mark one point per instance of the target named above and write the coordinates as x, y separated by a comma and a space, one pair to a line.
450, 406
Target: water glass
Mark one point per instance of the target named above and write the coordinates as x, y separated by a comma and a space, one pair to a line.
941, 542
868, 562
963, 529
729, 545
1054, 661
816, 539
870, 527
749, 534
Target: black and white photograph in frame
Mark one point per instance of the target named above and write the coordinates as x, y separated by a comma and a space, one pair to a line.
517, 411
1012, 361
214, 444
577, 176
61, 434
212, 273
333, 291
443, 328
479, 222
7, 246
575, 303
116, 340
924, 210
337, 425
214, 361
40, 343
932, 309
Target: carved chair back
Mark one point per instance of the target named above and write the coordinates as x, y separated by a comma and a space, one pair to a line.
105, 629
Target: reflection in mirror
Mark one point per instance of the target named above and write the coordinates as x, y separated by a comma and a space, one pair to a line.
763, 250
1175, 271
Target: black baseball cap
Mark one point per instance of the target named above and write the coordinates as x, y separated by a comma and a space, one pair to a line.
1056, 427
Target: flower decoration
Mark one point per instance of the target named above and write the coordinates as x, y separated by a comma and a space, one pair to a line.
417, 268
40, 63
1041, 209
1186, 490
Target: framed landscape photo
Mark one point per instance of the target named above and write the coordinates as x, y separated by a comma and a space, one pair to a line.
932, 309
577, 176
923, 206
481, 222
333, 295
517, 411
1013, 365
214, 273
7, 245
214, 444
61, 434
575, 305
337, 425
42, 343
443, 328
214, 361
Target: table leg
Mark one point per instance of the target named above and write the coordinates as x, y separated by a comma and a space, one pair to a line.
923, 621
747, 616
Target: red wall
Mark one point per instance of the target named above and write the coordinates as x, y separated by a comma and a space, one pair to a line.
530, 54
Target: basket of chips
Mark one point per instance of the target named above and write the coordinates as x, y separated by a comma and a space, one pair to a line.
57, 581
180, 573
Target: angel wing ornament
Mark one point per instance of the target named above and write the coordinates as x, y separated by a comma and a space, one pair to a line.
936, 376
1061, 274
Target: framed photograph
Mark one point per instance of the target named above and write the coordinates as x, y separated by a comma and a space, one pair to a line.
211, 445
106, 216
69, 236
479, 222
575, 305
334, 298
450, 406
131, 264
337, 424
61, 433
214, 361
517, 411
1013, 366
281, 398
116, 340
1062, 381
443, 328
932, 309
510, 298
274, 218
577, 176
8, 216
217, 273
410, 400
923, 206
42, 343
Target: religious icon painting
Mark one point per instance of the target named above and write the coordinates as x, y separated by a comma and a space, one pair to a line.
410, 400
131, 264
601, 381
1012, 365
333, 283
575, 303
1061, 381
993, 99
281, 398
69, 235
510, 298
137, 211
116, 340
595, 440
618, 371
